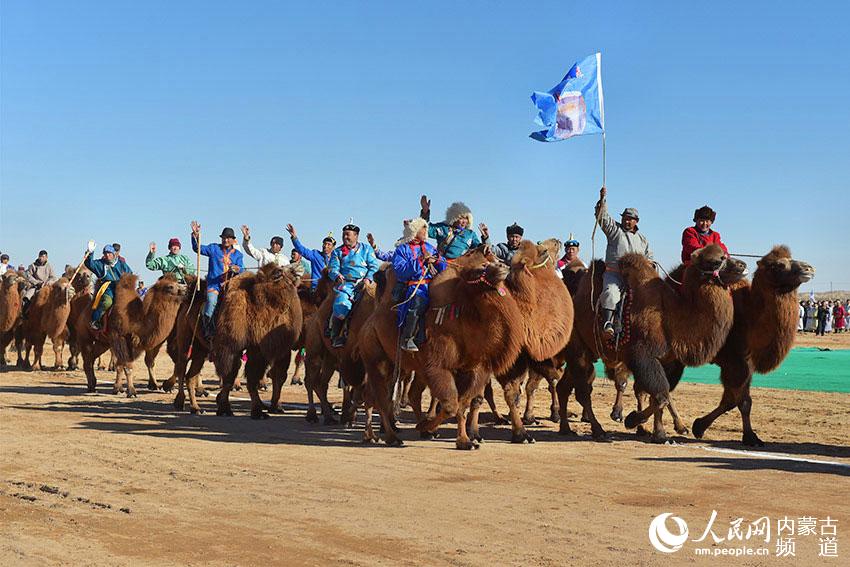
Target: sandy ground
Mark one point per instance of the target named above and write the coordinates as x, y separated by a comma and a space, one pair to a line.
97, 479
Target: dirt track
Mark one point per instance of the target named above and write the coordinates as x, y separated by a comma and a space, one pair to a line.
97, 479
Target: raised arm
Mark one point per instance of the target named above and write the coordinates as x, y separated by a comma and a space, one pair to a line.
606, 223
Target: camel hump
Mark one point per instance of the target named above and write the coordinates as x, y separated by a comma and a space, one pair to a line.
636, 269
128, 281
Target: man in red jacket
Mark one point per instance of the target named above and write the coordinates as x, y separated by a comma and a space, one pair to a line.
700, 235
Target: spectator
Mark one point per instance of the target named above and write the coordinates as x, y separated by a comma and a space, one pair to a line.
839, 314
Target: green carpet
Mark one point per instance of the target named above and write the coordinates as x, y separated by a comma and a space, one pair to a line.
803, 369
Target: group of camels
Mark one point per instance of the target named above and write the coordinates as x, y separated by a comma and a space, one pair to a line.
517, 323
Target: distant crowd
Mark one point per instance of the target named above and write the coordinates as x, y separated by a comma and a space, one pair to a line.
821, 317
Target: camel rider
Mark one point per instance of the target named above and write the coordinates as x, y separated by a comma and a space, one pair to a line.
271, 255
173, 263
350, 264
108, 270
700, 235
295, 257
4, 264
225, 262
415, 262
39, 273
571, 265
318, 258
454, 236
505, 251
623, 238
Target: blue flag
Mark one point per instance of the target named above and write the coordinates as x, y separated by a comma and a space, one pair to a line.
574, 106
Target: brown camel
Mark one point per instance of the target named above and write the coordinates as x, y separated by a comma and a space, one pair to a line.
686, 327
761, 336
48, 317
471, 333
260, 314
11, 287
132, 327
547, 310
322, 359
83, 284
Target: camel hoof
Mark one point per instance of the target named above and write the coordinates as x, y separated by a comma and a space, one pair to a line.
478, 438
682, 431
153, 388
584, 419
296, 383
500, 420
522, 437
555, 417
661, 439
166, 389
259, 414
203, 393
633, 420
601, 436
641, 431
466, 445
179, 403
617, 415
429, 435
132, 394
394, 442
194, 411
698, 428
237, 388
330, 420
368, 440
530, 421
750, 439
276, 409
224, 412
312, 416
566, 430
571, 415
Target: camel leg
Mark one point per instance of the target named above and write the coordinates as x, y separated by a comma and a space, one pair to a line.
278, 373
255, 368
328, 413
734, 373
414, 397
405, 391
745, 406
463, 441
128, 373
379, 388
38, 352
474, 410
88, 367
678, 423
117, 388
658, 433
531, 385
298, 373
498, 419
650, 378
369, 431
621, 382
227, 365
441, 382
513, 393
554, 415
192, 384
312, 371
27, 349
150, 363
565, 388
58, 351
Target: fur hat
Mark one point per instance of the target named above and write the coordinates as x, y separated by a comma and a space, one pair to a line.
704, 213
514, 229
456, 211
411, 227
631, 212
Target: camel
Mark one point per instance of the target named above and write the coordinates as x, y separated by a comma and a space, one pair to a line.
762, 334
11, 286
132, 327
322, 359
547, 310
48, 317
471, 333
261, 314
669, 327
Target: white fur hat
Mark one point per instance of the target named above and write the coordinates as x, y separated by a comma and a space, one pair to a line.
458, 210
411, 227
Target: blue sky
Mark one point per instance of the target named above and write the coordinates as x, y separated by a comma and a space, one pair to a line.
122, 121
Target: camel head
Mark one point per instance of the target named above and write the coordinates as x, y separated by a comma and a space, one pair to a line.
273, 273
476, 257
734, 271
489, 277
531, 256
166, 286
709, 261
782, 271
10, 279
63, 289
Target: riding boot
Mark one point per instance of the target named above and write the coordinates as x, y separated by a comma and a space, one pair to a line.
608, 323
208, 327
408, 331
337, 337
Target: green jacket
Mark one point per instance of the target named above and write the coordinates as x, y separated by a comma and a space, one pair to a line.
177, 264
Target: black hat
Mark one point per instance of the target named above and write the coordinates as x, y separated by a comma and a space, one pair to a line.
514, 229
329, 238
705, 213
353, 227
116, 246
277, 240
227, 233
42, 252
